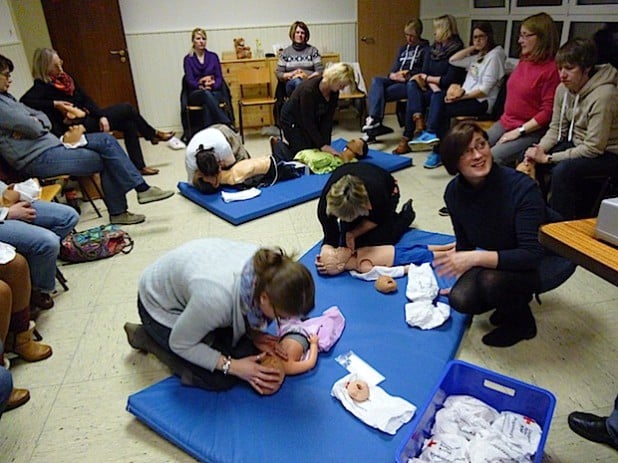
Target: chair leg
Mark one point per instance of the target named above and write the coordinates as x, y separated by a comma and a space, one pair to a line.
242, 130
189, 126
87, 195
61, 279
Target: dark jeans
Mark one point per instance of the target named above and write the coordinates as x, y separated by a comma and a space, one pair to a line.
210, 100
383, 90
418, 102
193, 375
471, 107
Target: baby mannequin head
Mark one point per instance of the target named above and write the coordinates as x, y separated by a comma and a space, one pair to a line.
334, 259
9, 197
386, 284
355, 149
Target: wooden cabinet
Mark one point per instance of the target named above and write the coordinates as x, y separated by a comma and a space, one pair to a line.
257, 116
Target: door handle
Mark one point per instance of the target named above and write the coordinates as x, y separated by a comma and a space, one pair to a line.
121, 53
367, 39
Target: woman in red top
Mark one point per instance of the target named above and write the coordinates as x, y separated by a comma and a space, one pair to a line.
529, 91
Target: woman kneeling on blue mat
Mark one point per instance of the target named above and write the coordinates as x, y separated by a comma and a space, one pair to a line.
204, 305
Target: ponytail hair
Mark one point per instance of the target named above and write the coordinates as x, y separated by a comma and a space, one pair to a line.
288, 283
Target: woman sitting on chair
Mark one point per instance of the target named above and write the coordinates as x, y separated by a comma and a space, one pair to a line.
66, 104
204, 80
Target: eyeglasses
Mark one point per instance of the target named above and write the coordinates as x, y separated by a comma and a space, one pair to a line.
479, 146
525, 36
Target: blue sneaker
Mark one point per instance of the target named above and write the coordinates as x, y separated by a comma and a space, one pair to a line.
427, 138
433, 161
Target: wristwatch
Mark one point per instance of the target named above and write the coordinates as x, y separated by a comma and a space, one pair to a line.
522, 130
225, 368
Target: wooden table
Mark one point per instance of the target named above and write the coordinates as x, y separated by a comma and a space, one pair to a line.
575, 240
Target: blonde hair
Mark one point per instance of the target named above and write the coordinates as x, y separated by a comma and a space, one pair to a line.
40, 63
445, 27
543, 26
347, 198
194, 32
288, 283
339, 73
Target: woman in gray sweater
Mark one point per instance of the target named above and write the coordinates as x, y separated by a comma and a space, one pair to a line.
204, 304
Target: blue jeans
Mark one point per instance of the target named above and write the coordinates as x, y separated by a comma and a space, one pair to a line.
383, 90
418, 102
612, 422
102, 154
6, 386
39, 241
291, 85
209, 100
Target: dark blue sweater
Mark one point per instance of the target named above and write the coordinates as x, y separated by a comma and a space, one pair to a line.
503, 215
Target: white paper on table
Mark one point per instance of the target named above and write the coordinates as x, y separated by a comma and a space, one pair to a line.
354, 364
229, 196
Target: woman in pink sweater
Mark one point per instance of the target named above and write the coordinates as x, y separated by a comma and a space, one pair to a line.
529, 91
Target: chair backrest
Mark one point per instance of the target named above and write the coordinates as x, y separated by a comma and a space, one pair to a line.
254, 77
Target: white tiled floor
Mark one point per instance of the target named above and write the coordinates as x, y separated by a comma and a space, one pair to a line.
77, 411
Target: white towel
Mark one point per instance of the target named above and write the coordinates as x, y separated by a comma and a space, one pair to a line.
424, 315
381, 411
229, 196
422, 284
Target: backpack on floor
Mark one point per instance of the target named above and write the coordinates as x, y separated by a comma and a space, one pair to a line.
95, 243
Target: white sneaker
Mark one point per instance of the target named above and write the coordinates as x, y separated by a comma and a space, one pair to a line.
175, 144
370, 123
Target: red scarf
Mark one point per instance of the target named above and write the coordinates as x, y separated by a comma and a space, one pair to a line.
63, 82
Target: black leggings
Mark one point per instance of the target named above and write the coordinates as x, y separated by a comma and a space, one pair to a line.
480, 290
191, 374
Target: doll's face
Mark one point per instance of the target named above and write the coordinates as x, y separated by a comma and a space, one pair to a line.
334, 260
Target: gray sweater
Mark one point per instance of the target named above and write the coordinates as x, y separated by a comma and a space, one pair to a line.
195, 289
24, 132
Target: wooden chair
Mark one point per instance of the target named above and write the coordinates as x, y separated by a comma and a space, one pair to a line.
354, 95
188, 111
255, 90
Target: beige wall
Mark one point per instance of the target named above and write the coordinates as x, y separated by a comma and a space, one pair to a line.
30, 22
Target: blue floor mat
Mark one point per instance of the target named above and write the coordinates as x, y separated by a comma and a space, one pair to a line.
302, 422
283, 194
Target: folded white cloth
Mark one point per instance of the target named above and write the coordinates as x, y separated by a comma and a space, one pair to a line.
424, 315
381, 411
489, 446
444, 448
520, 429
229, 196
7, 253
422, 283
29, 190
78, 144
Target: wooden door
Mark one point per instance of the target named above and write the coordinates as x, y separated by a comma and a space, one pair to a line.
380, 33
89, 37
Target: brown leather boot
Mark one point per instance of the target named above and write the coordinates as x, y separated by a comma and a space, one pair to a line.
17, 398
27, 348
419, 124
402, 147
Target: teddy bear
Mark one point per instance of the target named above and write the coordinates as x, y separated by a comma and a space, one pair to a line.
242, 51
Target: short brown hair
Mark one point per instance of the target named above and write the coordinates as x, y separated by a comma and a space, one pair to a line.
456, 143
577, 52
303, 26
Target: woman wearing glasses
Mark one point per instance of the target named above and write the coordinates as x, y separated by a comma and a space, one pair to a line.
496, 213
204, 305
529, 91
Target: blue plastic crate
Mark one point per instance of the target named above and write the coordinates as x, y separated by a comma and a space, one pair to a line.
499, 391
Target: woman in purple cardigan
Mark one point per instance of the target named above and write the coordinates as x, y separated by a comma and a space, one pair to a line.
204, 80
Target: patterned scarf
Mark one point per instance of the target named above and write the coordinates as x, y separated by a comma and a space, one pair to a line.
255, 317
443, 51
64, 83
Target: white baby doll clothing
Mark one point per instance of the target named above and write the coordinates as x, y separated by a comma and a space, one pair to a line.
377, 271
422, 289
327, 326
381, 411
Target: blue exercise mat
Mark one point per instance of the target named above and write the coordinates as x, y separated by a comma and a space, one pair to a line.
302, 422
283, 194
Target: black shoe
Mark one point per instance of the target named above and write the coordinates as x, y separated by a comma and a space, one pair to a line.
443, 211
407, 212
41, 300
591, 427
380, 130
506, 336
